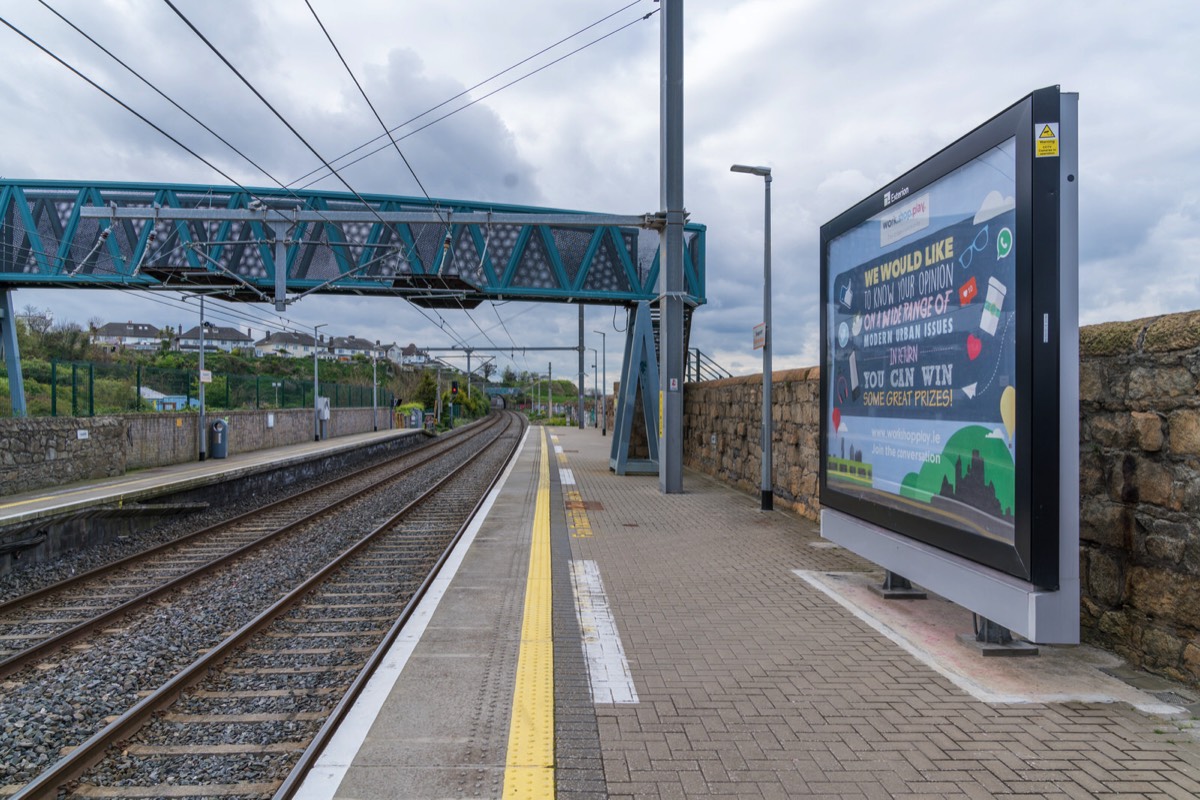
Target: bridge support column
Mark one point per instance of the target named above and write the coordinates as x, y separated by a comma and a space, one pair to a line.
638, 370
12, 354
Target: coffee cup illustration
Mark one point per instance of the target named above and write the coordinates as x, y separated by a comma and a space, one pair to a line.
992, 306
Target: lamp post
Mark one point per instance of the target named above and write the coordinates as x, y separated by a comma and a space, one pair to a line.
203, 433
767, 484
276, 385
604, 385
374, 389
316, 404
595, 357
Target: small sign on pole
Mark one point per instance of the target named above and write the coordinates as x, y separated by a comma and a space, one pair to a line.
206, 376
760, 336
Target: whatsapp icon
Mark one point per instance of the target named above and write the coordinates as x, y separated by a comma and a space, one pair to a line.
1004, 243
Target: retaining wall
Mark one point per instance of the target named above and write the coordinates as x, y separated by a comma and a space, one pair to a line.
1139, 476
39, 452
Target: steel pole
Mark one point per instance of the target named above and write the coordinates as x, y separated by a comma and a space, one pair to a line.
604, 383
670, 452
316, 405
766, 483
581, 366
768, 486
200, 376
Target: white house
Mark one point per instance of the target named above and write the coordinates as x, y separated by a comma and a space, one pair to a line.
128, 335
345, 348
285, 343
216, 337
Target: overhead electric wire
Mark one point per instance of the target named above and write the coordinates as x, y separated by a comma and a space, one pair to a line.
163, 95
125, 106
279, 116
383, 125
469, 89
144, 119
473, 102
272, 108
371, 105
180, 144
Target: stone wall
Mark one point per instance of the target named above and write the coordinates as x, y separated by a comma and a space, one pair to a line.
39, 452
1139, 476
1140, 491
722, 421
45, 451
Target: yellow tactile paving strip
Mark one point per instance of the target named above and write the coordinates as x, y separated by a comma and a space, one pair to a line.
529, 768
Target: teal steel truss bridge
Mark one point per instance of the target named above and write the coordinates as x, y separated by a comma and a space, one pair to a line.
276, 245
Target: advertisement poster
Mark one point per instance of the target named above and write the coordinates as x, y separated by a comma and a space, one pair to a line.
922, 351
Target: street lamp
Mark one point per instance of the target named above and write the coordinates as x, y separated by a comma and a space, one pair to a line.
316, 404
596, 409
604, 385
374, 389
203, 433
276, 384
767, 484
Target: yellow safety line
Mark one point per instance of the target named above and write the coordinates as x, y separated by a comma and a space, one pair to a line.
529, 768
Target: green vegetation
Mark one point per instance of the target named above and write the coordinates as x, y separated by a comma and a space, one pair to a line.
66, 375
972, 443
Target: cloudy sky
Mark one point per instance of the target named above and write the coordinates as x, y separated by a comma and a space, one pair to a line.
837, 98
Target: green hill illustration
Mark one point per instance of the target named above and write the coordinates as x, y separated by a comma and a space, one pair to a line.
974, 469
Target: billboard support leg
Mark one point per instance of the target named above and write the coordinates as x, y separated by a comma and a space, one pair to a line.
898, 587
993, 639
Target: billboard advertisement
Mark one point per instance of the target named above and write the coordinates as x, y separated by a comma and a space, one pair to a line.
934, 291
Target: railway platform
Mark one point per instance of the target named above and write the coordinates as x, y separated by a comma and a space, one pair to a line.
594, 638
148, 484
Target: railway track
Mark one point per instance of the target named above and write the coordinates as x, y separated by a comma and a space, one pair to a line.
53, 616
257, 680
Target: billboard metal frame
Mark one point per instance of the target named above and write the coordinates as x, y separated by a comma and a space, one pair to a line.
1032, 585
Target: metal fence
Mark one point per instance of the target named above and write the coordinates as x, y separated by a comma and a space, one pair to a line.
85, 389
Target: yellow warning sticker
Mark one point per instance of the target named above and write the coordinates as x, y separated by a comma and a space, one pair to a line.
1045, 140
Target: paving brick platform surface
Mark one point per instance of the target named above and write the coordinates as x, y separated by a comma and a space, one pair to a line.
753, 684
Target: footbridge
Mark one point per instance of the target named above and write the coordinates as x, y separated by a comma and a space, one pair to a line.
278, 245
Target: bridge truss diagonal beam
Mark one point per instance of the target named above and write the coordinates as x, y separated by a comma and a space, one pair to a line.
456, 253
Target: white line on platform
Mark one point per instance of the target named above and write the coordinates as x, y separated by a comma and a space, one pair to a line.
608, 670
327, 774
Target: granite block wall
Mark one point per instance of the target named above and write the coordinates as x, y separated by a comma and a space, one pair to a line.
1139, 476
42, 452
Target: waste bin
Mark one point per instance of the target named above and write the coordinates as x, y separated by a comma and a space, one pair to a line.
218, 439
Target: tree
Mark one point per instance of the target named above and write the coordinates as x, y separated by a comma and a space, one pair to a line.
488, 370
509, 376
39, 320
426, 393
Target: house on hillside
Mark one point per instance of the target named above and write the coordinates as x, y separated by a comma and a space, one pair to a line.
216, 337
413, 356
345, 348
287, 343
128, 336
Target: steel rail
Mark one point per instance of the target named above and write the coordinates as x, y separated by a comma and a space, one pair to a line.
23, 658
308, 758
91, 751
75, 580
